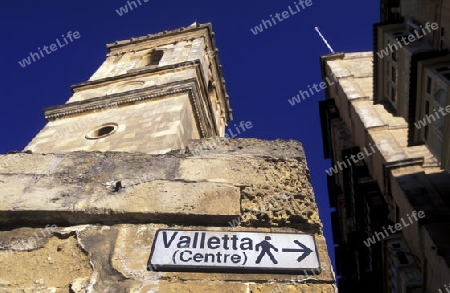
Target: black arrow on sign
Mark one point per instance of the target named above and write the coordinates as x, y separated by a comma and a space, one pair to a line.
303, 248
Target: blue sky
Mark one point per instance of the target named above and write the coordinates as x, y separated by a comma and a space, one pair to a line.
262, 71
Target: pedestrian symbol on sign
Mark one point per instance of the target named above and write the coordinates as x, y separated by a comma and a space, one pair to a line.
265, 248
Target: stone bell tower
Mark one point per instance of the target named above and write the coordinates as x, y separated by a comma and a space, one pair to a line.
132, 188
151, 95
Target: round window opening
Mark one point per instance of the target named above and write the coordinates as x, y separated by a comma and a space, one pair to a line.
102, 131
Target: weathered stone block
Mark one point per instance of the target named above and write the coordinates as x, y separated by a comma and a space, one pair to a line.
79, 187
171, 197
114, 259
50, 265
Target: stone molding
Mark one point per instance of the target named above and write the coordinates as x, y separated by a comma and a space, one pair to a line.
190, 86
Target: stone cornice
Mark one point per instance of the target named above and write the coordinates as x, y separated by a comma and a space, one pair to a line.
132, 73
198, 100
165, 34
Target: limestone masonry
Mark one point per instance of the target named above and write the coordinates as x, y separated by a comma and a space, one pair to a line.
140, 148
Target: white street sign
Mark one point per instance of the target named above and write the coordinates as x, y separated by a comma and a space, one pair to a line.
181, 250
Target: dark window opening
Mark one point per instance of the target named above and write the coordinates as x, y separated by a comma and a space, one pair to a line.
105, 130
427, 112
394, 74
397, 218
102, 131
155, 57
428, 85
401, 256
394, 55
440, 69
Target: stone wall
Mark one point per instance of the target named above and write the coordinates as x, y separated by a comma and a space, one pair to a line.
153, 127
87, 220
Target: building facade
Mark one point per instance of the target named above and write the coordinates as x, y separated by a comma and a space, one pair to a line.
386, 129
153, 92
130, 183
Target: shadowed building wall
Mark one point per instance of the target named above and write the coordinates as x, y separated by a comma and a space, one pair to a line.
379, 99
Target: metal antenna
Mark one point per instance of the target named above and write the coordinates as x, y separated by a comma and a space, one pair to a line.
324, 40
